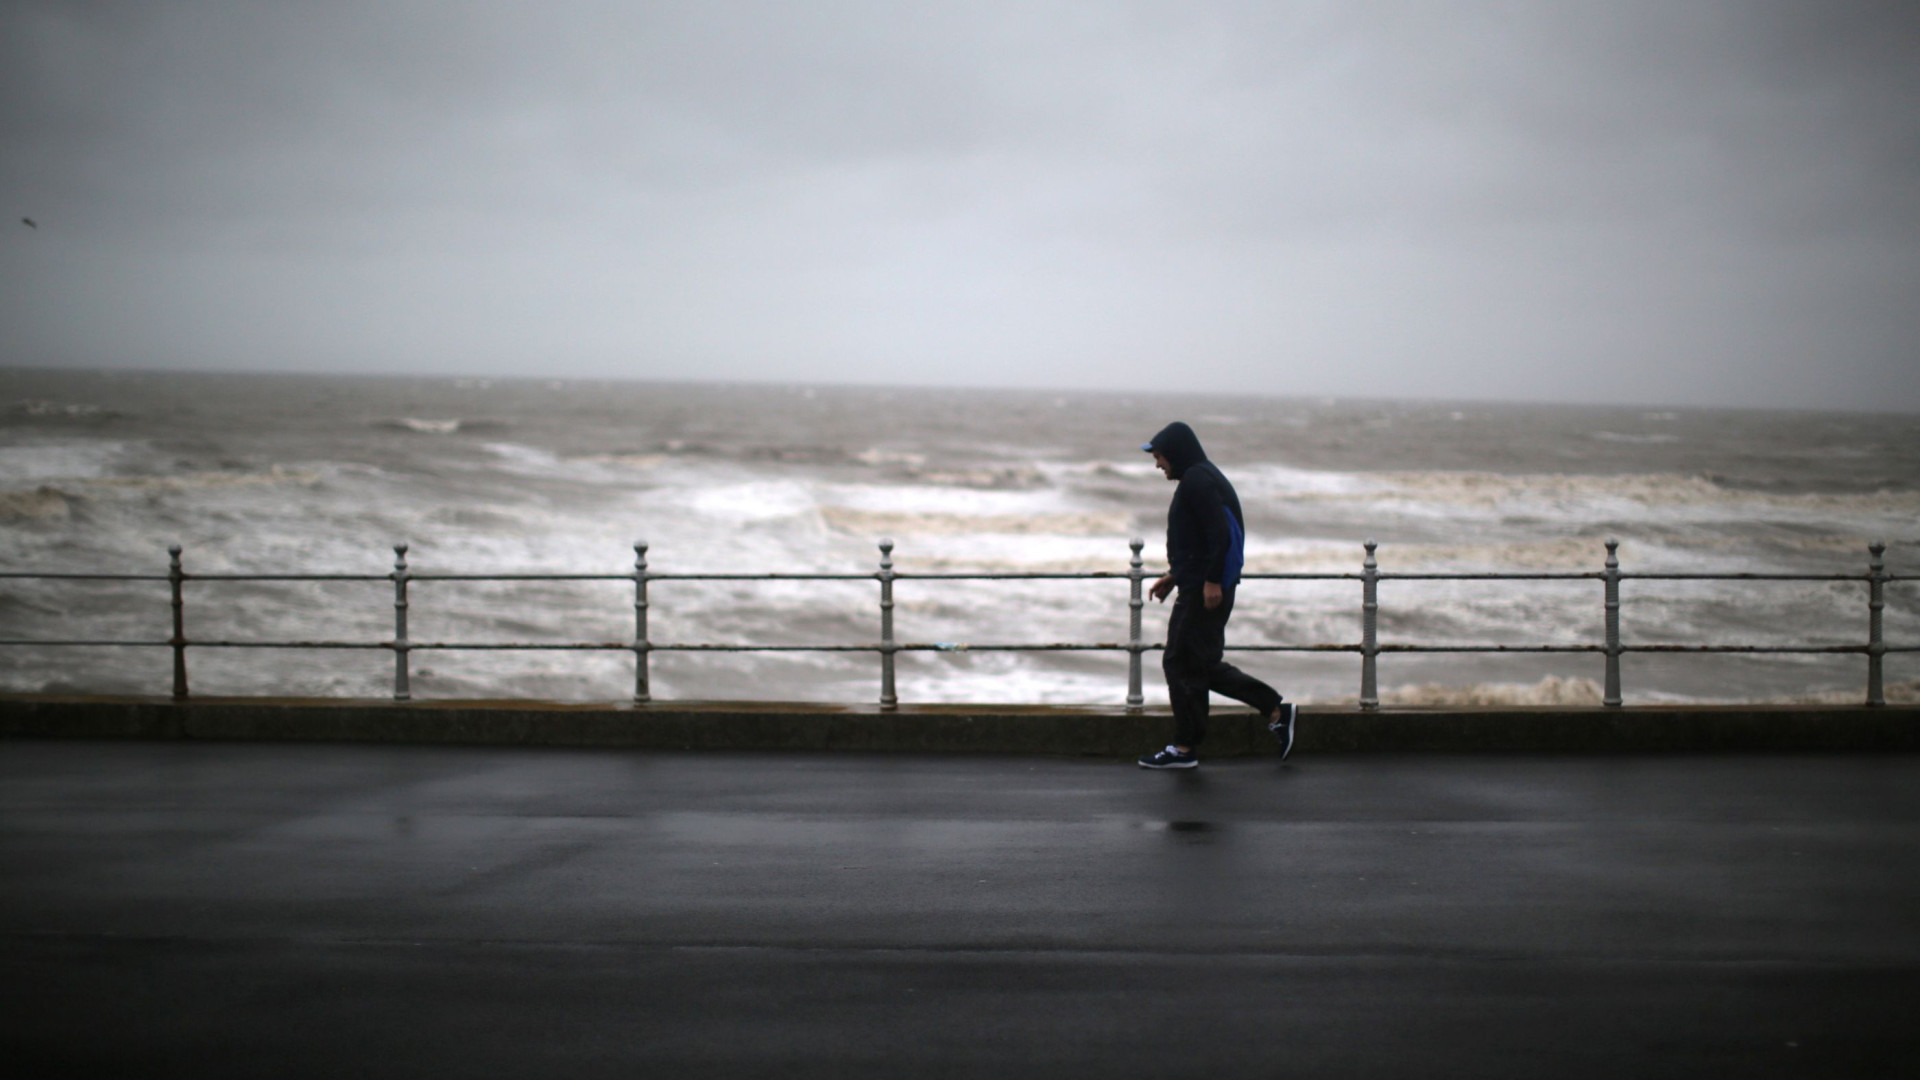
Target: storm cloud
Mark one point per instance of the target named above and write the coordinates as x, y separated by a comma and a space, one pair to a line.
1686, 203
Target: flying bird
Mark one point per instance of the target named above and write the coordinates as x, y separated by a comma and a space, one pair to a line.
28, 222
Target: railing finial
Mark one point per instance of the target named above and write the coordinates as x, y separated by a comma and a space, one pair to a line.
1876, 606
1370, 630
175, 576
889, 700
1136, 700
1610, 626
402, 689
642, 647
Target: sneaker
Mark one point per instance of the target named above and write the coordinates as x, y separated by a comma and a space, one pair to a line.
1169, 759
1282, 728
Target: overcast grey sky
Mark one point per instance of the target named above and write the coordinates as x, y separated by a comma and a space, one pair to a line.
1668, 202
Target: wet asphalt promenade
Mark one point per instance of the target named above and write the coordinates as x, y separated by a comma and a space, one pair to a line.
348, 910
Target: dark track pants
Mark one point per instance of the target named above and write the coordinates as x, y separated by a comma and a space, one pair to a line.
1196, 640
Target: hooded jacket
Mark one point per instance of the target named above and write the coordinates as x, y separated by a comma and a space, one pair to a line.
1205, 538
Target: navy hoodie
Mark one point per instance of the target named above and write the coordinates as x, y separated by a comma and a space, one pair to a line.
1205, 535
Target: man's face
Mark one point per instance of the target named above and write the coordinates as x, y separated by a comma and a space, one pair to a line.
1160, 462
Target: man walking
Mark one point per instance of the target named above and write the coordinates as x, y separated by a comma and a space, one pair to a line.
1205, 551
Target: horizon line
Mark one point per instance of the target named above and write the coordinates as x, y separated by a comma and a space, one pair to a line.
1324, 399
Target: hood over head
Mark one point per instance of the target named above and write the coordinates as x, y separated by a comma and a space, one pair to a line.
1181, 446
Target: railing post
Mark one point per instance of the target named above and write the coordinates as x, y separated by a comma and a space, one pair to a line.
1612, 699
642, 685
401, 690
1136, 701
1876, 603
1369, 627
888, 700
179, 640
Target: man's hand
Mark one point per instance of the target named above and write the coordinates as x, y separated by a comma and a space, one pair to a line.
1161, 588
1212, 595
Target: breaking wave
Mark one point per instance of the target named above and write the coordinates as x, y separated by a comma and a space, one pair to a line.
1002, 478
273, 476
1897, 693
1553, 690
45, 503
1565, 491
64, 459
51, 503
1657, 439
53, 410
421, 425
881, 522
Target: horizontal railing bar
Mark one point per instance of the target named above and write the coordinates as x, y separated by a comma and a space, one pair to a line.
903, 575
1023, 575
1601, 576
1385, 648
411, 576
87, 642
1809, 649
870, 576
1745, 577
628, 646
288, 644
574, 646
1490, 576
1055, 646
903, 646
684, 647
628, 577
285, 577
85, 577
907, 575
1287, 648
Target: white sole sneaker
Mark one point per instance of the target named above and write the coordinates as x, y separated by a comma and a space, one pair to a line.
1282, 728
1167, 759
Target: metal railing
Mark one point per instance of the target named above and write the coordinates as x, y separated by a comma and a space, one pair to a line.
1369, 647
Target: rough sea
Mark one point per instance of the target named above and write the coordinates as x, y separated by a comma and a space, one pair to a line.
100, 472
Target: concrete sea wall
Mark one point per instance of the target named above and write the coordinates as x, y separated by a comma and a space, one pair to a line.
1098, 732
